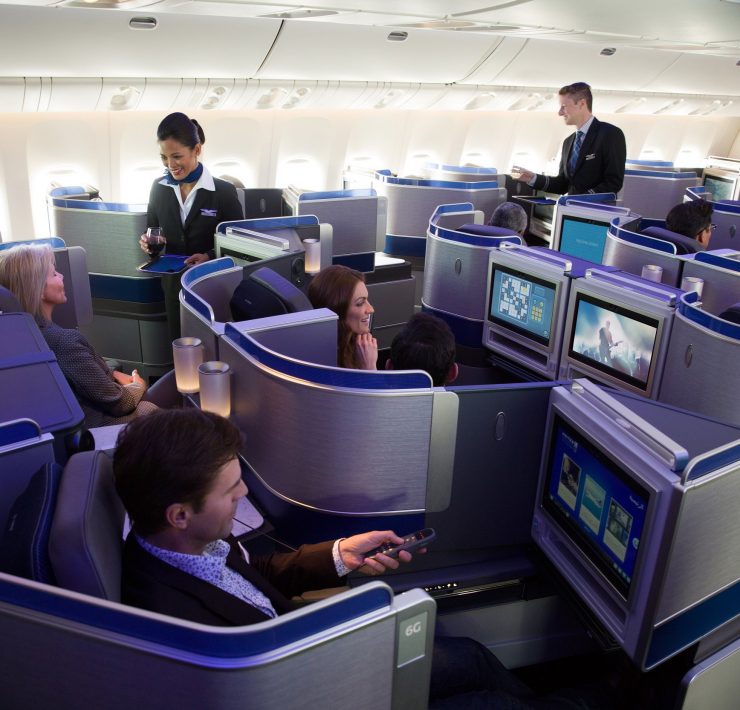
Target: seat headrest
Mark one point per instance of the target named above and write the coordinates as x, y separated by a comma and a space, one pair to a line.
684, 245
486, 230
265, 293
8, 302
86, 541
24, 550
732, 313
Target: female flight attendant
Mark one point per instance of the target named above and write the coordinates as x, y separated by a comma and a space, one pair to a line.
343, 291
187, 203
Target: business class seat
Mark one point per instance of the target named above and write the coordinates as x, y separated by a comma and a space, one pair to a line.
455, 276
683, 244
630, 250
702, 366
103, 649
8, 302
265, 293
731, 314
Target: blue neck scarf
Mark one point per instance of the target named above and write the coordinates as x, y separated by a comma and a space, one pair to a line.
192, 177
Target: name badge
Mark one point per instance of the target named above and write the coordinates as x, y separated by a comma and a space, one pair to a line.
208, 213
590, 156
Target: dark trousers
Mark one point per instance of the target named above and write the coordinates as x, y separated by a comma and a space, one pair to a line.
465, 674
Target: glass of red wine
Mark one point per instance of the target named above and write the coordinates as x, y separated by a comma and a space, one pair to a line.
155, 242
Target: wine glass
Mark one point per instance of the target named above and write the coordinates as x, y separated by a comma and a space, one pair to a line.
155, 241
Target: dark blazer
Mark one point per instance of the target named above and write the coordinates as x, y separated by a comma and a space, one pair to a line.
102, 399
209, 208
600, 166
149, 583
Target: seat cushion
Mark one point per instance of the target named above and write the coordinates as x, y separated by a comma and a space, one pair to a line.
24, 549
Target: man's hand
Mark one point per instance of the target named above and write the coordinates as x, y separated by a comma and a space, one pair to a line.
522, 174
353, 550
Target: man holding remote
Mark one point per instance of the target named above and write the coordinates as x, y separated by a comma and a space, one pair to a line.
179, 478
592, 158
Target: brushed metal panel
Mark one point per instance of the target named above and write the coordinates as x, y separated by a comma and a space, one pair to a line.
632, 257
705, 556
110, 239
147, 675
393, 302
442, 451
354, 222
702, 372
346, 451
721, 286
714, 682
411, 206
461, 292
217, 289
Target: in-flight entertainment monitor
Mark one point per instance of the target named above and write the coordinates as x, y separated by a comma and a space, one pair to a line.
612, 339
540, 221
526, 309
523, 303
584, 237
722, 184
600, 507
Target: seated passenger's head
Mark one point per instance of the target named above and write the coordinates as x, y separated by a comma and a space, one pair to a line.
692, 219
509, 215
425, 343
343, 291
178, 476
29, 272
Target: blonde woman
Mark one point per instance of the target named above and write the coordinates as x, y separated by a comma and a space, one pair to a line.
106, 397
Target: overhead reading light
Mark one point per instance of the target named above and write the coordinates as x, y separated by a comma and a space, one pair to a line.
668, 107
630, 105
608, 51
398, 36
143, 23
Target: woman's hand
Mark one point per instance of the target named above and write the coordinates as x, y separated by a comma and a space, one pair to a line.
366, 348
194, 259
143, 245
123, 379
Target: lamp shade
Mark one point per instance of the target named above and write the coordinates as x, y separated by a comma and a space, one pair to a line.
187, 354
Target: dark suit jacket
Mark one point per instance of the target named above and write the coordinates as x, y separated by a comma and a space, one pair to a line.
149, 583
209, 208
600, 166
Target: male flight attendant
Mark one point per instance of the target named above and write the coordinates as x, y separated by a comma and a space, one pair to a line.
593, 157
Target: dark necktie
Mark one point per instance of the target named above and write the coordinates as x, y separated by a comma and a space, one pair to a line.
574, 153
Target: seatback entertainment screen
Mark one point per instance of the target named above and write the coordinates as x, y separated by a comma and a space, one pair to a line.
522, 302
583, 238
613, 339
601, 508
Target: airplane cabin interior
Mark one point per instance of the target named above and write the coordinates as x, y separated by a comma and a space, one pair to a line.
581, 474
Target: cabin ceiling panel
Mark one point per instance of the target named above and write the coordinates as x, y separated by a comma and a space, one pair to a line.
700, 74
312, 51
551, 63
79, 43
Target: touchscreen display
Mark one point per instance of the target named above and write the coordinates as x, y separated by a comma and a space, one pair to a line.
523, 303
614, 340
599, 506
583, 238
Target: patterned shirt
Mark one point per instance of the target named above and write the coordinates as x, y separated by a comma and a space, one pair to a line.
211, 567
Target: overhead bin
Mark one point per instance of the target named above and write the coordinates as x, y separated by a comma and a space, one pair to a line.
100, 42
552, 62
332, 51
